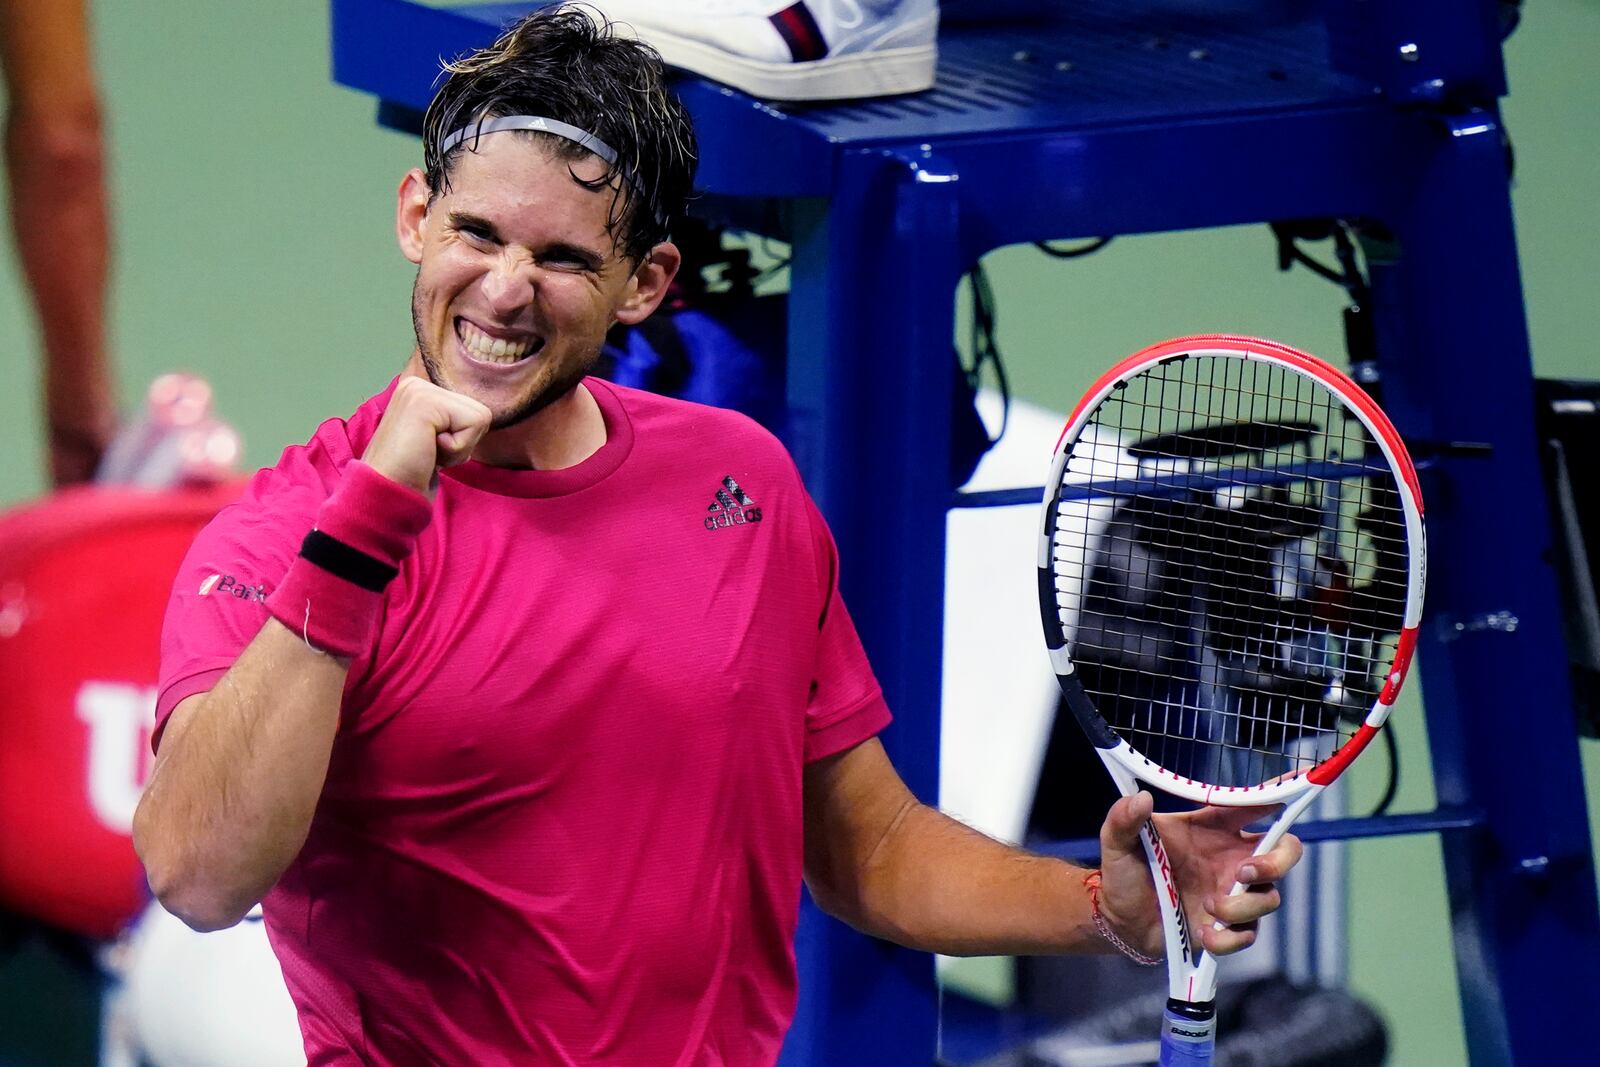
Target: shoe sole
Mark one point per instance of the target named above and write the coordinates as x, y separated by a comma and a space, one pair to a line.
889, 72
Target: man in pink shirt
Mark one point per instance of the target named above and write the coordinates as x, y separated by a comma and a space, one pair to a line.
525, 701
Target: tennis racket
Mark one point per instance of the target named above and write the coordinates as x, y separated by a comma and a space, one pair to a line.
1231, 567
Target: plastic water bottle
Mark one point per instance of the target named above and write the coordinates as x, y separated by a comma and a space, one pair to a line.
176, 440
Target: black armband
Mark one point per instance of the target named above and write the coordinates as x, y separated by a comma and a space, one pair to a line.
342, 561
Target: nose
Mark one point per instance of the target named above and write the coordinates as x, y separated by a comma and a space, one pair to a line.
510, 284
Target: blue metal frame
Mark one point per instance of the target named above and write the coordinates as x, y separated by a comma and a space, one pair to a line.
1071, 128
1443, 819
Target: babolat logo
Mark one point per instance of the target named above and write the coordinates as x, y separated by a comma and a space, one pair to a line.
228, 585
732, 507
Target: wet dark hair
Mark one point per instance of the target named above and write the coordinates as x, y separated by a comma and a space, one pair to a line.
568, 64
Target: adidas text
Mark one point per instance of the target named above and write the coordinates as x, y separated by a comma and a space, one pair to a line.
732, 517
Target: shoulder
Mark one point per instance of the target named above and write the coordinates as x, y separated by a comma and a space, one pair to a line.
688, 426
288, 493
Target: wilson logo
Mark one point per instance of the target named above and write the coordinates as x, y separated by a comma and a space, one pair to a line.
120, 717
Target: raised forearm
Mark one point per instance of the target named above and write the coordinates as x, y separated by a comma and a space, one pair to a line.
239, 773
231, 799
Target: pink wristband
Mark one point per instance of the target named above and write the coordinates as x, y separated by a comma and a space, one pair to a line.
374, 514
376, 518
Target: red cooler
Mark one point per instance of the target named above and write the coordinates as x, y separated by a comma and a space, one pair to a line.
84, 580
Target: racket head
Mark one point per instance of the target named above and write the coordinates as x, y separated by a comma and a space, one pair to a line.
1231, 568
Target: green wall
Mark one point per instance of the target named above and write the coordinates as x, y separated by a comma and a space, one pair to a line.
254, 204
254, 212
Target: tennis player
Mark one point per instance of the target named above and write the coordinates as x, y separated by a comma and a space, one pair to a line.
524, 701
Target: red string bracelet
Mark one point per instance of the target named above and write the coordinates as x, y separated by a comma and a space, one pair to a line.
1091, 882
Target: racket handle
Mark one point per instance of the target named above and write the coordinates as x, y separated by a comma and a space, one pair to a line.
1188, 1034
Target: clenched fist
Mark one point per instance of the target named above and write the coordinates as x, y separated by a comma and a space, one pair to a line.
425, 429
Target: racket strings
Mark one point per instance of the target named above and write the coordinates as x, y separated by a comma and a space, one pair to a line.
1231, 600
1127, 542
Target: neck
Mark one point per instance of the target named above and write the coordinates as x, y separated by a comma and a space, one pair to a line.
562, 434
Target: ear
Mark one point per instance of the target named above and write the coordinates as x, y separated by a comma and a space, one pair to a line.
411, 213
649, 283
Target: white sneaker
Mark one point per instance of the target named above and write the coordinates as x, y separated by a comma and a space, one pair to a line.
791, 49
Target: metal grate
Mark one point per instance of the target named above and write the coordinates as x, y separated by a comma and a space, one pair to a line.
1092, 65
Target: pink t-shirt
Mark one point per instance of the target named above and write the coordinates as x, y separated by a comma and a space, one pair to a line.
562, 823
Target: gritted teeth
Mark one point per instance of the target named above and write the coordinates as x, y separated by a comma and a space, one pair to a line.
492, 349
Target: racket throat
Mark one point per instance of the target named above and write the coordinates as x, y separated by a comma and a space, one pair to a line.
1183, 944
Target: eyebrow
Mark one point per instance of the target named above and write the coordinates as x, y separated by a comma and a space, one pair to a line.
467, 220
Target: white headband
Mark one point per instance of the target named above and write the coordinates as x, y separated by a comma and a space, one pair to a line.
539, 124
536, 123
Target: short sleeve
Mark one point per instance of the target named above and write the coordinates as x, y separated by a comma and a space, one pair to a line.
846, 705
218, 601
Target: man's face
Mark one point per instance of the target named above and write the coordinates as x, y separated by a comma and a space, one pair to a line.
517, 278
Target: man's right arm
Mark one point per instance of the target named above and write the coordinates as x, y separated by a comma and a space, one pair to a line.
237, 778
240, 768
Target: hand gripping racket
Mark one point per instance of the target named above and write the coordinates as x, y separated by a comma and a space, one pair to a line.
1231, 565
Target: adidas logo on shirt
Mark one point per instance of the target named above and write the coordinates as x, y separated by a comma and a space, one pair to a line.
732, 507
